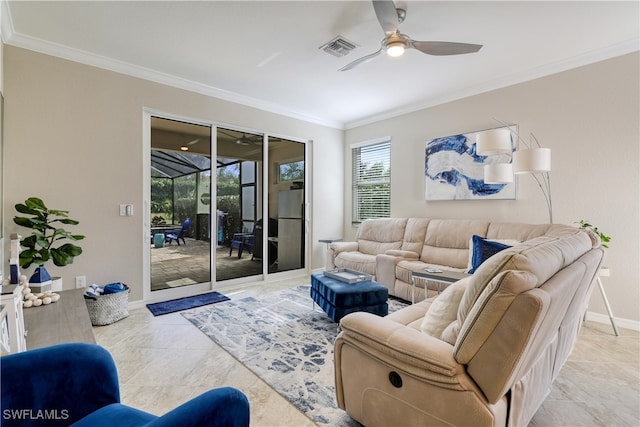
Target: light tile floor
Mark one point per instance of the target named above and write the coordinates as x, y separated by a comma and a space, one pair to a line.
164, 361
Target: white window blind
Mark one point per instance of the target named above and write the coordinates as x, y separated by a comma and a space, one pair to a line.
371, 181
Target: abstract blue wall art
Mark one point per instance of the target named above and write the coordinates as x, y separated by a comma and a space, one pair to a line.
453, 170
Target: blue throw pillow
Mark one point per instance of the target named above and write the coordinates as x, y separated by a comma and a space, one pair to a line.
483, 249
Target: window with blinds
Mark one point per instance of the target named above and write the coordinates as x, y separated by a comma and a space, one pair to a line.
371, 169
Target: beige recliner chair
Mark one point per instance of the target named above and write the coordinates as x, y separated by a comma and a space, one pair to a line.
484, 352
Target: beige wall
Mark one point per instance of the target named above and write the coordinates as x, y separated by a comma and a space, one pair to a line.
74, 138
589, 117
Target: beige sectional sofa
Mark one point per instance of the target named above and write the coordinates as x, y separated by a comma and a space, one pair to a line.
485, 351
390, 249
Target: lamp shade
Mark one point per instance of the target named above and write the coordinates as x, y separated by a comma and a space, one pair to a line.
493, 141
532, 160
498, 173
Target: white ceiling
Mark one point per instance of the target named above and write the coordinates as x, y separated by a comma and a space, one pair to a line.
266, 53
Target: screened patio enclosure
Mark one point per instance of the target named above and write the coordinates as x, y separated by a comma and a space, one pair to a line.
180, 184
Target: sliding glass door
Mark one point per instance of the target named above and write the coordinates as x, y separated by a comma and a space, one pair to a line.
239, 201
224, 205
180, 206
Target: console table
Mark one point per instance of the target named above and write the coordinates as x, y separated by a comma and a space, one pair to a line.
66, 320
439, 276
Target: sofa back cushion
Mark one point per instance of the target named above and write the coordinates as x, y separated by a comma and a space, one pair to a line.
543, 256
376, 236
517, 231
414, 233
446, 241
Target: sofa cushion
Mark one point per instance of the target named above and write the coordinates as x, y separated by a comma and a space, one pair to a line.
481, 249
489, 308
444, 309
447, 241
376, 236
543, 255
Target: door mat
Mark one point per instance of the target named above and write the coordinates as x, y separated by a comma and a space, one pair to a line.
171, 306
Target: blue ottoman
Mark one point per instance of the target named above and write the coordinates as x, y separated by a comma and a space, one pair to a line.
338, 299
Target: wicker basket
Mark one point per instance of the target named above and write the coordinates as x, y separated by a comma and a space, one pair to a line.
108, 308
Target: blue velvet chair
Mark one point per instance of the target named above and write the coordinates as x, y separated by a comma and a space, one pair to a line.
77, 384
179, 233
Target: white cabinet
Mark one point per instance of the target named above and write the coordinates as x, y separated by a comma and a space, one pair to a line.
12, 320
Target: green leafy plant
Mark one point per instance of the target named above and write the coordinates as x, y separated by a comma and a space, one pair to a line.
40, 244
604, 239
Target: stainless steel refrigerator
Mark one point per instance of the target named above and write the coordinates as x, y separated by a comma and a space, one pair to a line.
290, 229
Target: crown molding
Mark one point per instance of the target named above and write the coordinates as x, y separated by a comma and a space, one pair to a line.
12, 38
619, 49
76, 55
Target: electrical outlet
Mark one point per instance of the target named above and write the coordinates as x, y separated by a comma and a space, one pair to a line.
81, 282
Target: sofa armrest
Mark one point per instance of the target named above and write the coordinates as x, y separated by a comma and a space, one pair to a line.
72, 379
344, 246
402, 253
221, 407
404, 348
386, 266
334, 250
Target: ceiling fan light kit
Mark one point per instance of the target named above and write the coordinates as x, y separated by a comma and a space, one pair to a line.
395, 43
395, 49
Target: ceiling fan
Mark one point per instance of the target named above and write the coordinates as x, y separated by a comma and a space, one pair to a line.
244, 140
185, 147
395, 43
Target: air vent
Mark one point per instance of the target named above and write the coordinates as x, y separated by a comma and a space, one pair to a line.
339, 47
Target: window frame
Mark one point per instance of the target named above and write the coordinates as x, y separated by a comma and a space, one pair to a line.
380, 151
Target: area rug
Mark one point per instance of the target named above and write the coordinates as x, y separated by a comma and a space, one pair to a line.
171, 306
282, 339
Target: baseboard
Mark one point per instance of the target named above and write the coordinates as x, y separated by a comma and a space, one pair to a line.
136, 304
620, 323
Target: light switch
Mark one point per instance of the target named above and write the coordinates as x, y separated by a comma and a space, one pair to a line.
123, 210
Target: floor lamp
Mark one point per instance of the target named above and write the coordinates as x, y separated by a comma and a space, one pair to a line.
533, 159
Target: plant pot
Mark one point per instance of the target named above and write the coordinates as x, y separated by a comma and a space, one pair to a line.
40, 275
40, 281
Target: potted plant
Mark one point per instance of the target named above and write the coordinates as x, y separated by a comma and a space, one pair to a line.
43, 244
604, 239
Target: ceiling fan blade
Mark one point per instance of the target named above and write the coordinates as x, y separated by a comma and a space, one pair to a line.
445, 48
195, 141
387, 15
362, 60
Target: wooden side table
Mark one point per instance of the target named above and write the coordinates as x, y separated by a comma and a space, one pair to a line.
605, 272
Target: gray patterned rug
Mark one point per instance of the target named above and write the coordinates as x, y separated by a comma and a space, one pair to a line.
285, 342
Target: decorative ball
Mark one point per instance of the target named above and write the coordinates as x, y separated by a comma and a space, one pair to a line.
46, 300
22, 278
39, 294
26, 291
27, 303
37, 302
55, 297
31, 297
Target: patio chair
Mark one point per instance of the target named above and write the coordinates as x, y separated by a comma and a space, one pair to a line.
179, 233
242, 241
